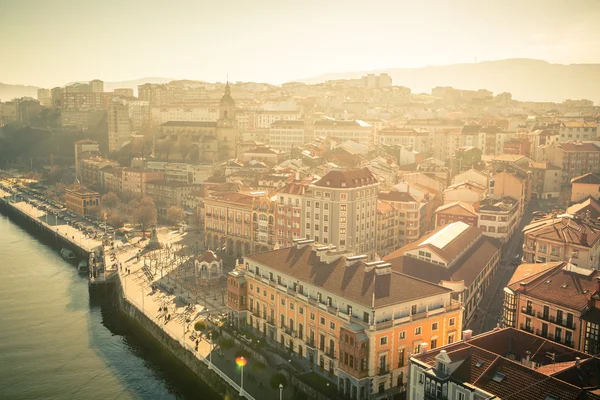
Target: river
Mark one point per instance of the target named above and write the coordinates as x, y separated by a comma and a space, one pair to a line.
54, 344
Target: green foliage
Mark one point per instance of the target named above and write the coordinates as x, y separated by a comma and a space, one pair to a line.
258, 367
242, 353
276, 380
226, 343
200, 325
213, 334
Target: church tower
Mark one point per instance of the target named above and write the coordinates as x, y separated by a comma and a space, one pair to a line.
227, 129
227, 108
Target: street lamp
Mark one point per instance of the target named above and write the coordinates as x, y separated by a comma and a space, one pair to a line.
280, 391
210, 350
241, 361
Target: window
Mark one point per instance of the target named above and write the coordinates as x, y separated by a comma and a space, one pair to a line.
383, 341
418, 330
291, 305
434, 326
343, 207
300, 310
452, 321
322, 321
331, 325
450, 339
272, 297
402, 335
461, 396
283, 302
312, 316
433, 343
422, 379
413, 309
400, 358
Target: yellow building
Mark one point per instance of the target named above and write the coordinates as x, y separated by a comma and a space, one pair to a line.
80, 200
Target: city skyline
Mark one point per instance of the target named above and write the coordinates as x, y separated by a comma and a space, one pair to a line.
275, 42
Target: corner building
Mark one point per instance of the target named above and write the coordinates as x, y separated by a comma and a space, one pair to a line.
341, 209
354, 322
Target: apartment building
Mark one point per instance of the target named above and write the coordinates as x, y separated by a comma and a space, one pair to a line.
84, 101
515, 183
284, 135
239, 223
156, 94
454, 212
557, 301
119, 126
111, 179
412, 218
85, 149
340, 209
182, 172
89, 171
166, 194
503, 364
341, 315
358, 131
574, 159
289, 213
387, 228
563, 237
499, 217
264, 119
418, 141
467, 192
134, 181
577, 130
585, 186
546, 180
456, 256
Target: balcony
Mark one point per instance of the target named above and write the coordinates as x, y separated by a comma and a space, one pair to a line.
383, 369
311, 343
271, 321
528, 311
330, 353
526, 328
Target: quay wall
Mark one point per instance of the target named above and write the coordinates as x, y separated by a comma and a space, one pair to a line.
146, 327
40, 230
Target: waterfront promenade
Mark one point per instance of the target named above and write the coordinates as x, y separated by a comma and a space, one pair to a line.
137, 285
53, 224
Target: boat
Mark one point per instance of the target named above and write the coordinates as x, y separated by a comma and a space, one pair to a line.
67, 254
82, 266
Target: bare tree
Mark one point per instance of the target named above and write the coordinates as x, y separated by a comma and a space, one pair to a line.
145, 214
175, 215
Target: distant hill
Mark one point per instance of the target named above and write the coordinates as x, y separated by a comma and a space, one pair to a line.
526, 79
8, 92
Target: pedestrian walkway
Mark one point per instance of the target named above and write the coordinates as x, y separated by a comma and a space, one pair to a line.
173, 309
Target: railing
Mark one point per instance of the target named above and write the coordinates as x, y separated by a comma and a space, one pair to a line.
330, 353
311, 343
383, 369
568, 343
526, 328
528, 311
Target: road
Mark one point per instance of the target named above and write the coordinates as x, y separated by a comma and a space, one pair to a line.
491, 304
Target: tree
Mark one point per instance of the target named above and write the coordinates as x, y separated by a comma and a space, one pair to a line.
200, 325
175, 215
115, 219
110, 200
94, 211
145, 214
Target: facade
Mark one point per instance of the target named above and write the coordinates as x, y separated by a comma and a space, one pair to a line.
264, 154
574, 159
80, 200
412, 218
90, 170
551, 300
358, 131
577, 130
341, 316
340, 209
456, 256
454, 212
418, 141
289, 213
188, 112
119, 126
585, 186
97, 86
134, 181
516, 184
182, 172
167, 194
387, 228
85, 149
284, 135
499, 217
546, 180
239, 223
83, 101
112, 179
563, 237
467, 192
503, 364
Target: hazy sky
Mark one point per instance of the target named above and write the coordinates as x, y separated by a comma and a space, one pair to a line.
52, 42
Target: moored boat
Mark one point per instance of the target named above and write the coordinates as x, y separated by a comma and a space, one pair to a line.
67, 254
82, 266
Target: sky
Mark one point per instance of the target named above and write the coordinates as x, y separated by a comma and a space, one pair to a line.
52, 42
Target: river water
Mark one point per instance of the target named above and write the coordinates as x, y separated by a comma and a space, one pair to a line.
54, 344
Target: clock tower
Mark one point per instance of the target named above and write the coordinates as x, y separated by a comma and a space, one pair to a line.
227, 109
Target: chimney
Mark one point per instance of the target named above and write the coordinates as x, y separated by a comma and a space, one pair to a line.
370, 265
423, 347
467, 335
527, 360
523, 286
577, 362
353, 260
383, 269
300, 243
